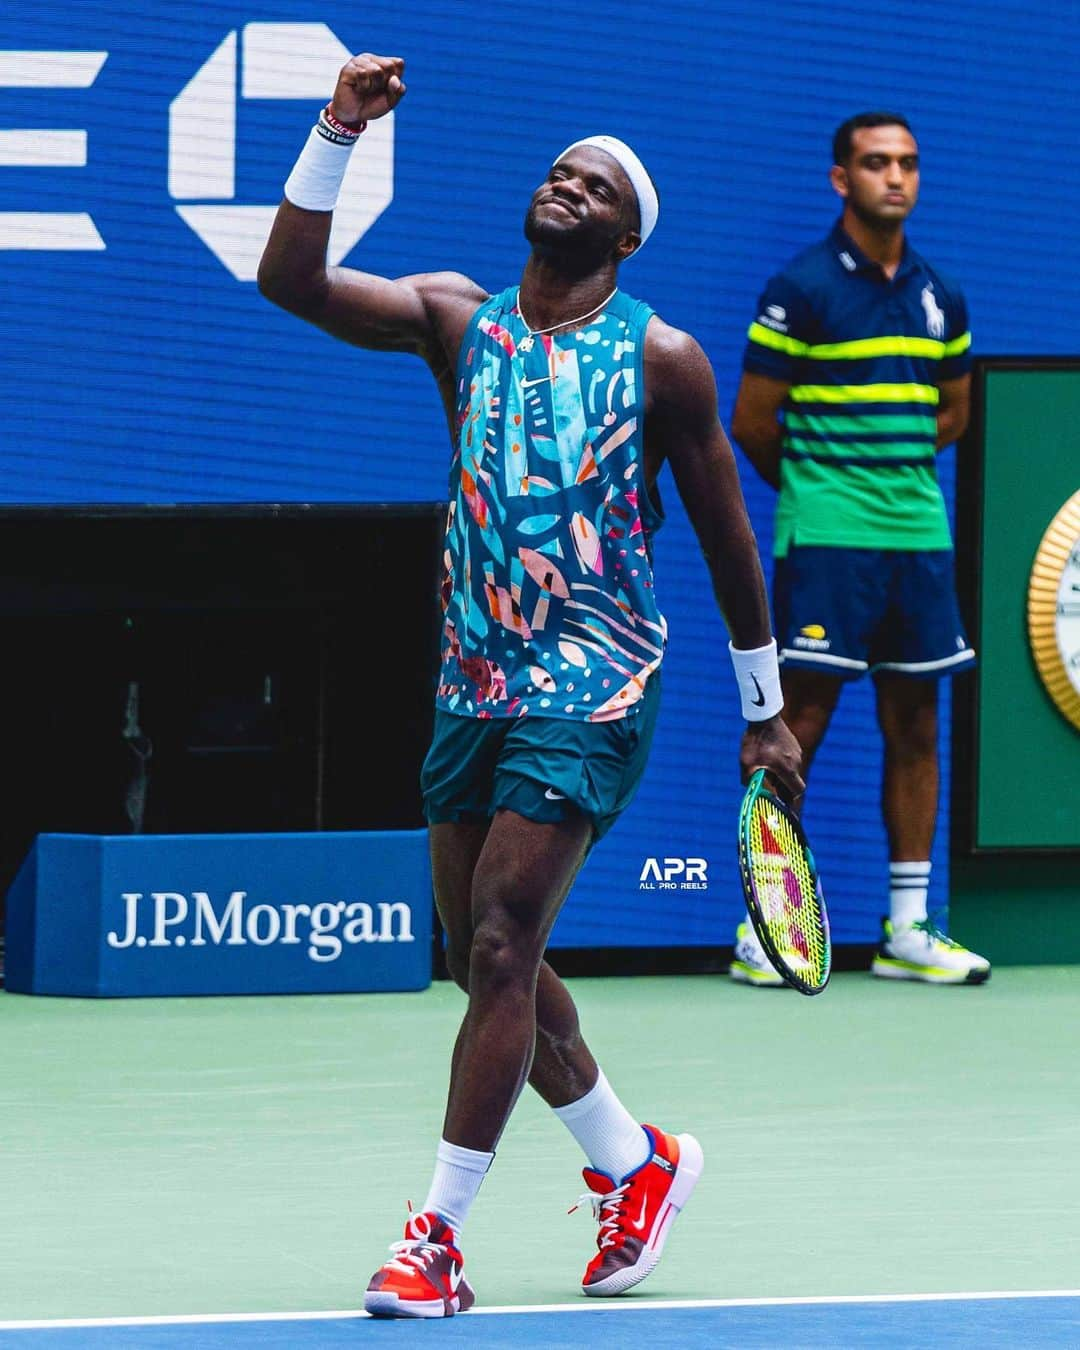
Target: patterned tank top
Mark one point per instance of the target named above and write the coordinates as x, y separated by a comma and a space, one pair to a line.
548, 591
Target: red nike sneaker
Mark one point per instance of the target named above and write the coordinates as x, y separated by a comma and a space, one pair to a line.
636, 1216
424, 1276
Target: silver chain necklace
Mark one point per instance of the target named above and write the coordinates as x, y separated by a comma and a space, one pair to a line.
526, 343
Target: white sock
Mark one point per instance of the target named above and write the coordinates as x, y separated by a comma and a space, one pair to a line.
456, 1183
908, 885
613, 1141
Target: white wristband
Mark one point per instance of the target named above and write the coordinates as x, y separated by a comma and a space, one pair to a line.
757, 674
315, 181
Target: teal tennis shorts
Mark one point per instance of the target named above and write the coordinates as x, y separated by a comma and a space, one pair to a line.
544, 768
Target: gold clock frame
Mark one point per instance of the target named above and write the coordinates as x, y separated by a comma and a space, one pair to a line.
1061, 539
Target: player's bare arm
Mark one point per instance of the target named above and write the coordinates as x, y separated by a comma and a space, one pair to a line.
756, 424
426, 313
954, 409
683, 426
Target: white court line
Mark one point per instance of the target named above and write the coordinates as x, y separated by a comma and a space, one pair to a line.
584, 1305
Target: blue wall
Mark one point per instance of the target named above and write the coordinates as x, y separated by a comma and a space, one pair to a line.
144, 371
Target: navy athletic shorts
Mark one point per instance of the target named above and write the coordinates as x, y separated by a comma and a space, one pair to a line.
844, 611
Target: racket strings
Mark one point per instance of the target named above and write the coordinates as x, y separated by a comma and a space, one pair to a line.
786, 889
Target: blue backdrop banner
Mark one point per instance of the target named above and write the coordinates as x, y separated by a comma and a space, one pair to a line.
142, 151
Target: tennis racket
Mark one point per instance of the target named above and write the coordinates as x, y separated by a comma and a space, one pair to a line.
782, 890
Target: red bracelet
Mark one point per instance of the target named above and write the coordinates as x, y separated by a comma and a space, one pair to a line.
343, 128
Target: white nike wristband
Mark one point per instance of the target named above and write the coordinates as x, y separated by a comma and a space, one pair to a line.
757, 673
316, 178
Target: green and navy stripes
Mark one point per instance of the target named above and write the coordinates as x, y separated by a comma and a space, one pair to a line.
863, 356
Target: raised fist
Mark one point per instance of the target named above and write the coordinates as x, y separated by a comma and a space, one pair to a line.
368, 87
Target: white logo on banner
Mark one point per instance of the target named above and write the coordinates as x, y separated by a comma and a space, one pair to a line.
276, 61
671, 874
175, 920
47, 148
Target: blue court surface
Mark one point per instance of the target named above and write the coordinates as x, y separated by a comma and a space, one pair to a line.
1029, 1320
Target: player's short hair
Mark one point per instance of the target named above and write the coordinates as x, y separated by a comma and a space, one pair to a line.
845, 132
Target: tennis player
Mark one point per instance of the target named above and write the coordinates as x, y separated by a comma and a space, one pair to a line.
564, 396
856, 373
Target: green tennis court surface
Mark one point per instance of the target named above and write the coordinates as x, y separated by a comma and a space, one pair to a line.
255, 1155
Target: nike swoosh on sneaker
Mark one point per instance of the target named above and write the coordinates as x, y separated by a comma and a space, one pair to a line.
453, 1277
639, 1222
554, 796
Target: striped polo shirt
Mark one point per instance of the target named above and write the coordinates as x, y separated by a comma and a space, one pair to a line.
864, 356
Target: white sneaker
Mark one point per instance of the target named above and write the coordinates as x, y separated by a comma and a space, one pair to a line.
750, 965
920, 951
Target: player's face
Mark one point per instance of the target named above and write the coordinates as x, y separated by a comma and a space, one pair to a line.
880, 182
583, 206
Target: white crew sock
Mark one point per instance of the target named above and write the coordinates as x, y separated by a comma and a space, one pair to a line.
613, 1141
456, 1183
908, 886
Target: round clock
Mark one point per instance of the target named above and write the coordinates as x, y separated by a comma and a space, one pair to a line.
1053, 610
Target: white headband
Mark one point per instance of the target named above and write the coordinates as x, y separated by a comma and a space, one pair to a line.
648, 202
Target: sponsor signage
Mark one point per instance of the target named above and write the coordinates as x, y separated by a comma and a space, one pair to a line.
116, 916
260, 61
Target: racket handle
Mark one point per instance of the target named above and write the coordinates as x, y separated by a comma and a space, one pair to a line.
775, 788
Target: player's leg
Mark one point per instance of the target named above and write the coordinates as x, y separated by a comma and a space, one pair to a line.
520, 874
563, 1070
521, 878
424, 1277
457, 781
455, 848
520, 881
639, 1176
922, 641
552, 770
632, 1167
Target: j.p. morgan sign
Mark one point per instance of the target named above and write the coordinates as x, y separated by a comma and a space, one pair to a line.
221, 914
322, 930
